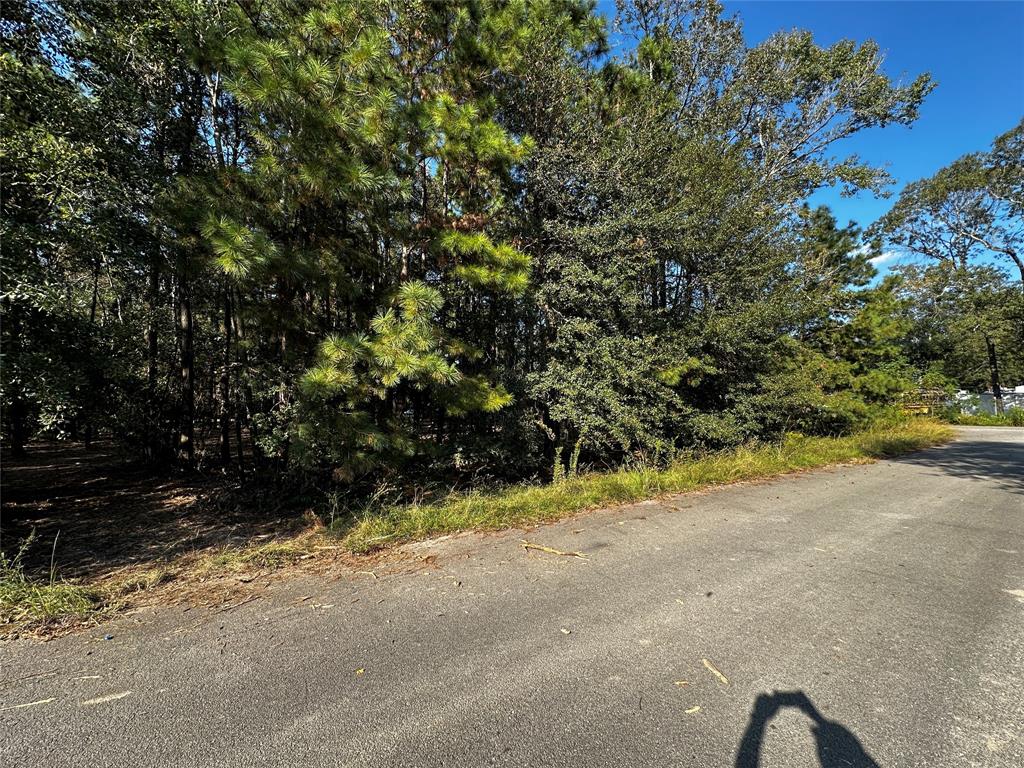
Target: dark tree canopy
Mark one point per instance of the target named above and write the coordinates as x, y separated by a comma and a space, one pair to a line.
334, 241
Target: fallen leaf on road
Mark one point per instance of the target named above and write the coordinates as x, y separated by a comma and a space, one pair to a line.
566, 631
714, 671
693, 710
551, 550
360, 671
680, 601
105, 699
30, 704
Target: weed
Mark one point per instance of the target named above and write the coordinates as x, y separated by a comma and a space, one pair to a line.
25, 601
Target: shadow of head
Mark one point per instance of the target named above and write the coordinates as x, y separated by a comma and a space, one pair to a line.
836, 745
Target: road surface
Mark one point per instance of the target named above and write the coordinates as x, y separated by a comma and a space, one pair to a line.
864, 615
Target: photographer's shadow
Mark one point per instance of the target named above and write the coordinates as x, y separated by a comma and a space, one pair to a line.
837, 746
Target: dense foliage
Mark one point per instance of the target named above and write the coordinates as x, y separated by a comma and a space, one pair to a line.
337, 239
967, 311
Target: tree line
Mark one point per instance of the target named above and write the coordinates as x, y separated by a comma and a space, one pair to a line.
338, 240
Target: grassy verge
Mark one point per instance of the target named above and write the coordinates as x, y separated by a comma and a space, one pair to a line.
523, 505
1014, 417
53, 605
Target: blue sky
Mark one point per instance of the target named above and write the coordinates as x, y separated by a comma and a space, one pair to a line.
974, 50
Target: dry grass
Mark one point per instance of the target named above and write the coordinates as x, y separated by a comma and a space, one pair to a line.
31, 607
275, 554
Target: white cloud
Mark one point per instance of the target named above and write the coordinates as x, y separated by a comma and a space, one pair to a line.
884, 258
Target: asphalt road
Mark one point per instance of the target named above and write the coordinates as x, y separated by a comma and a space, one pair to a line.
884, 604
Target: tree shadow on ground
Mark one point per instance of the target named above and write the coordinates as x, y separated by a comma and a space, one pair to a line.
111, 513
837, 746
998, 461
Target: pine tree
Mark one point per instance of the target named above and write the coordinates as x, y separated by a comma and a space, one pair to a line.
361, 216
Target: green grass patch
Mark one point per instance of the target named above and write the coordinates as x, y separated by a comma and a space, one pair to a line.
527, 504
25, 602
1014, 417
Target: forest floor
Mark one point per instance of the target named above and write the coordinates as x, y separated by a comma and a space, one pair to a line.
127, 536
87, 535
95, 514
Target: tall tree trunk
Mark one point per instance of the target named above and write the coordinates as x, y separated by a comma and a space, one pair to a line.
247, 405
239, 446
224, 389
993, 372
18, 416
17, 413
152, 337
155, 438
662, 283
192, 109
95, 290
92, 321
186, 427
